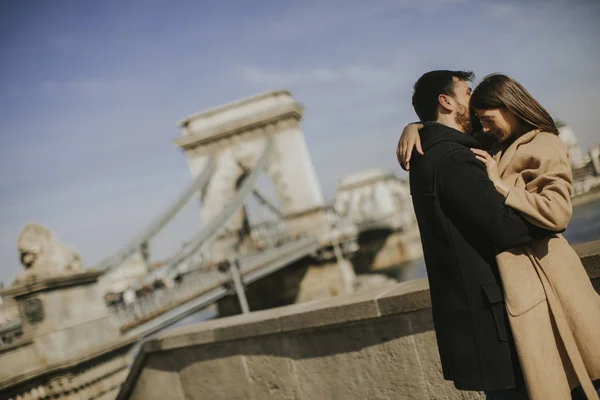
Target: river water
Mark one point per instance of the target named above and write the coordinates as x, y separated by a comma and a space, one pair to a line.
584, 227
585, 224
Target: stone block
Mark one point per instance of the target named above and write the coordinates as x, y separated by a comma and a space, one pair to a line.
229, 328
65, 316
216, 372
78, 340
429, 359
19, 359
405, 297
334, 310
270, 371
190, 335
249, 325
369, 360
66, 307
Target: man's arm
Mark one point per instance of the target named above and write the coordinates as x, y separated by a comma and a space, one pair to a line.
470, 199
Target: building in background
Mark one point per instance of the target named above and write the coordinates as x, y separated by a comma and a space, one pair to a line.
585, 166
373, 195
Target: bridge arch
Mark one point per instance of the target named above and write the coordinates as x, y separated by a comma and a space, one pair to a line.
235, 134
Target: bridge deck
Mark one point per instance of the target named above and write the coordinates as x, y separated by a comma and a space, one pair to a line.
252, 267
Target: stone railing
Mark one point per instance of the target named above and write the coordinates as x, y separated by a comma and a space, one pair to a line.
97, 376
377, 344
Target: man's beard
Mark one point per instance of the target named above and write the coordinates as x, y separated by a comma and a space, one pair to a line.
463, 119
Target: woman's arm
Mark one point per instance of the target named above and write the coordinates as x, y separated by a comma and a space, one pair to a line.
550, 205
545, 199
472, 204
409, 140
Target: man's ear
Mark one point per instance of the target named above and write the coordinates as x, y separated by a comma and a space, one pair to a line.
446, 102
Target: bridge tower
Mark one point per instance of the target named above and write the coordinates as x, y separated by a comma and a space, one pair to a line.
236, 134
380, 205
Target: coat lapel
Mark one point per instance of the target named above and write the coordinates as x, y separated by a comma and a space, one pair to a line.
503, 158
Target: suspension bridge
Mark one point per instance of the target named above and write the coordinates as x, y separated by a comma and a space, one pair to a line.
228, 148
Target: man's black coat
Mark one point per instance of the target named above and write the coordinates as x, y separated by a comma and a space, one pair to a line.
463, 223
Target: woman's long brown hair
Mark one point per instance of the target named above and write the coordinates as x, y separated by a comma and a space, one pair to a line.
501, 91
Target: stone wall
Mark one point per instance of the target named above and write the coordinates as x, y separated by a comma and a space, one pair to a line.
377, 344
97, 376
70, 347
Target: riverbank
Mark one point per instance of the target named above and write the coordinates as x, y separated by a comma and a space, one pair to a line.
589, 197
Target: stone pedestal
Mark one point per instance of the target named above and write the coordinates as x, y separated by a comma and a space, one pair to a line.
64, 315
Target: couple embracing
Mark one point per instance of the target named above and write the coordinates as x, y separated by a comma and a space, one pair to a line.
514, 311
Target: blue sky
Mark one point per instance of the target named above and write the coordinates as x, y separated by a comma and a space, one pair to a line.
90, 92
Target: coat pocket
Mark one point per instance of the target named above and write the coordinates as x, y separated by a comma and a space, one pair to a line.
523, 290
493, 294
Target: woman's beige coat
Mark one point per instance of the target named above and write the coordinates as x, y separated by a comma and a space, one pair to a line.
553, 309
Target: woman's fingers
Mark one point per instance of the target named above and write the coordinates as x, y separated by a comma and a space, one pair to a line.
408, 142
408, 151
418, 145
482, 153
400, 151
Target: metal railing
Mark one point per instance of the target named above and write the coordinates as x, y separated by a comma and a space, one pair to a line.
214, 282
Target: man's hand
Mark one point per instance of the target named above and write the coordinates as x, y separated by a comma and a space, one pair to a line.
409, 140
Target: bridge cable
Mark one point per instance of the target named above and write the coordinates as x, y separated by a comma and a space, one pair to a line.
198, 184
203, 238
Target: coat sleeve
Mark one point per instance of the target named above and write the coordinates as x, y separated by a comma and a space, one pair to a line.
471, 201
545, 198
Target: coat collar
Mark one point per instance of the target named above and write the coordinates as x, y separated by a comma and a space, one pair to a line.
433, 133
504, 157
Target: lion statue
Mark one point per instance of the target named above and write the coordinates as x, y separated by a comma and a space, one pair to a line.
42, 254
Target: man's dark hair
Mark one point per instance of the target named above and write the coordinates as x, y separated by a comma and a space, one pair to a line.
428, 88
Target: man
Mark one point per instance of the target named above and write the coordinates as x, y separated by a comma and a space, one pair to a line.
463, 224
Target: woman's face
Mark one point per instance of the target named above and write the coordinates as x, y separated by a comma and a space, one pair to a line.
499, 122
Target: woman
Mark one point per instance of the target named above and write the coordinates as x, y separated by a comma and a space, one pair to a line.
553, 309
